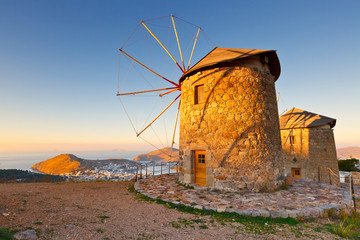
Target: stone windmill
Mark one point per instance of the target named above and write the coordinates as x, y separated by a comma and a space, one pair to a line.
229, 125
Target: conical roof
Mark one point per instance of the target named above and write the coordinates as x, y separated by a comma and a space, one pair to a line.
297, 118
221, 56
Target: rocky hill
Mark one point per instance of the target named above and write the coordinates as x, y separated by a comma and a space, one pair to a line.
348, 152
159, 155
69, 163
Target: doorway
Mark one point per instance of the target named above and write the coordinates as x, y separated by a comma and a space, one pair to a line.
200, 168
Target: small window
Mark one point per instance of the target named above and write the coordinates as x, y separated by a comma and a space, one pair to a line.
199, 94
296, 172
292, 140
201, 158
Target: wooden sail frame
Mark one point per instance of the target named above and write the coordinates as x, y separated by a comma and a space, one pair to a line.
168, 90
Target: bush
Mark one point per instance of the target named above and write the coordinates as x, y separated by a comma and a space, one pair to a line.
5, 233
348, 165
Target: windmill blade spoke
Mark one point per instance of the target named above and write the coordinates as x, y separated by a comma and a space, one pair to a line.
178, 42
158, 116
149, 68
173, 90
192, 52
146, 91
183, 70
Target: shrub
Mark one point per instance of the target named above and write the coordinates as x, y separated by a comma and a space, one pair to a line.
348, 165
348, 227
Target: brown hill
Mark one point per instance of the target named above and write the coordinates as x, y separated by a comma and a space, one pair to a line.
64, 163
160, 155
69, 163
348, 152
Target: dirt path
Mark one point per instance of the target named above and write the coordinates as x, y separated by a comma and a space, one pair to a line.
107, 210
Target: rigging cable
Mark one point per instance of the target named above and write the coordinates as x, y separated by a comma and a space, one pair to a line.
127, 114
147, 47
130, 36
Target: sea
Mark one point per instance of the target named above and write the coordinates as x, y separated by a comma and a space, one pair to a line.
24, 160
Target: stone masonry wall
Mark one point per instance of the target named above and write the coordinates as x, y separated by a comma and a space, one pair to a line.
314, 152
238, 126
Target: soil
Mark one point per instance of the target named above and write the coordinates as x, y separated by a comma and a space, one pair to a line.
107, 210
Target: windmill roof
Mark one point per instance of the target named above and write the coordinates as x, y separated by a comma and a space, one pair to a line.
297, 118
221, 56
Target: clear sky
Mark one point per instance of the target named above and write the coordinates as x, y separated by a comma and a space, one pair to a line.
59, 63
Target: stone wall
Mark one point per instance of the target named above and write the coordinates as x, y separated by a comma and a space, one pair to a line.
313, 151
237, 126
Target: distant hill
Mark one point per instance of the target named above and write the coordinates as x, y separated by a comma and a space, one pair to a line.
15, 175
348, 152
159, 155
69, 163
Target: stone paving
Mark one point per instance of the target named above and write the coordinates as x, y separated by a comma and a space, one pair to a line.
302, 199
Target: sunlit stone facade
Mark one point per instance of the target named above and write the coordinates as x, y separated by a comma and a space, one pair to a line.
237, 125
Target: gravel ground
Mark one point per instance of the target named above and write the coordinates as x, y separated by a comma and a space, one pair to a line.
107, 210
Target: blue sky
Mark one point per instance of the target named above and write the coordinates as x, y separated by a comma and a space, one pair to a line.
59, 63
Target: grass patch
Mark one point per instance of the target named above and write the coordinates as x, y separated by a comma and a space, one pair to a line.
6, 233
102, 218
348, 227
49, 231
100, 230
38, 223
131, 188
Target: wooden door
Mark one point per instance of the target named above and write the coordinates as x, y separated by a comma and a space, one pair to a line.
200, 168
296, 172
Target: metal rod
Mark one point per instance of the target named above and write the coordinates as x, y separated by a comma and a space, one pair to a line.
173, 90
169, 167
162, 46
146, 91
160, 168
140, 171
137, 168
352, 192
158, 116
145, 170
193, 48
178, 42
153, 168
149, 68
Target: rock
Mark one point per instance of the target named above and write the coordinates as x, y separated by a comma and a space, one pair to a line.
221, 208
198, 207
275, 214
292, 213
255, 213
264, 213
25, 235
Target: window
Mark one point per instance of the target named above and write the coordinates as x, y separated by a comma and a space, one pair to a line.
201, 158
296, 172
199, 94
